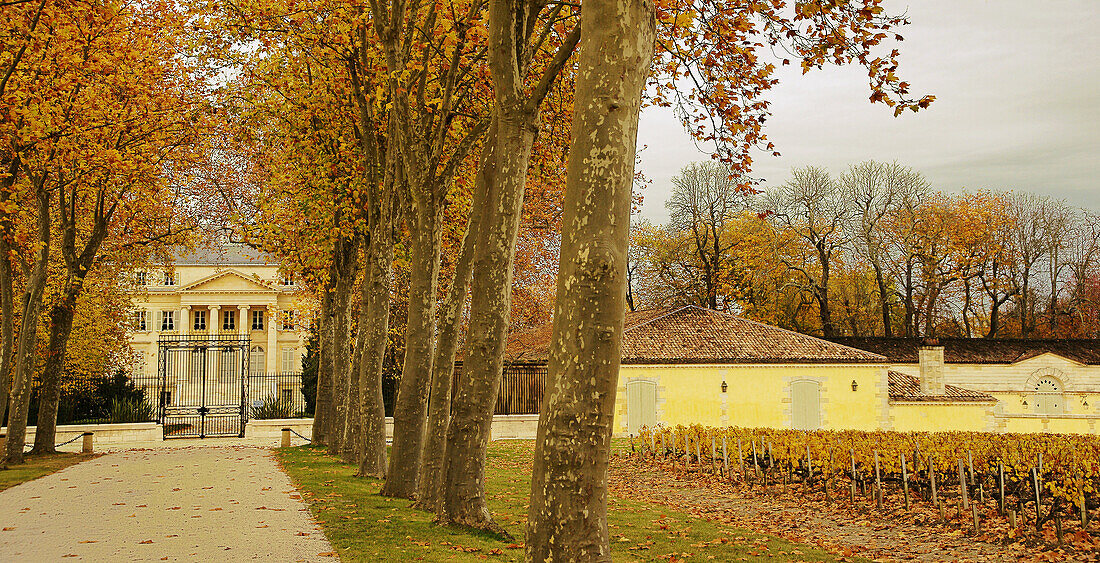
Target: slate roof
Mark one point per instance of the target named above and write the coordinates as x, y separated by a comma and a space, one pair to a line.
979, 350
693, 335
224, 255
904, 387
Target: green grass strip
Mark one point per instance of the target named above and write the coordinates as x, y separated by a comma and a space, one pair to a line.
38, 466
364, 526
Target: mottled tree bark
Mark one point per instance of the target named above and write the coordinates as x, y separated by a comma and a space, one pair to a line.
322, 406
478, 383
434, 452
346, 256
372, 448
23, 364
511, 26
7, 326
411, 405
49, 397
7, 295
567, 519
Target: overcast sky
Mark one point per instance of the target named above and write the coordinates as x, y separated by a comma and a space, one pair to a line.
1017, 86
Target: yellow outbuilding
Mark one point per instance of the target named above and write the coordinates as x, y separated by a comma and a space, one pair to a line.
689, 365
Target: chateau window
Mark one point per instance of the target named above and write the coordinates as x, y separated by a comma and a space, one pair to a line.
287, 395
140, 278
289, 363
229, 320
200, 320
256, 363
169, 278
258, 319
288, 320
139, 321
288, 279
1048, 396
168, 320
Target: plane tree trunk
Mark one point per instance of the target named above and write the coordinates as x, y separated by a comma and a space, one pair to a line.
567, 518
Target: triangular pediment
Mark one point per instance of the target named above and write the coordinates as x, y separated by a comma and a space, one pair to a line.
228, 280
1046, 358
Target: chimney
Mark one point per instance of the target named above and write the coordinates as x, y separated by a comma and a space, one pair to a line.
931, 367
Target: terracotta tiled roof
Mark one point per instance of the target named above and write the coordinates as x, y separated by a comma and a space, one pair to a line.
692, 335
904, 387
980, 350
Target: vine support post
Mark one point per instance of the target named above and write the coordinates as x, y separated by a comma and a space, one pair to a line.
905, 481
741, 459
699, 453
1001, 486
725, 459
878, 483
962, 486
852, 458
932, 480
755, 461
1038, 500
1081, 501
809, 468
712, 454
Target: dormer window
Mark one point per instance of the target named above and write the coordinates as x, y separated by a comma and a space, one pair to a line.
169, 278
140, 278
287, 279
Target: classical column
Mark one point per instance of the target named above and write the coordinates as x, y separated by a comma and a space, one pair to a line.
185, 316
153, 327
244, 324
213, 326
213, 321
272, 334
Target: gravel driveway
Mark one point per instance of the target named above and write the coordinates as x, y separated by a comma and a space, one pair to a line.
192, 504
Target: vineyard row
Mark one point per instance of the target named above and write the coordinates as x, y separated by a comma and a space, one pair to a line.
1038, 477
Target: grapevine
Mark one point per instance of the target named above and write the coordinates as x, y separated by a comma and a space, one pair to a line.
1028, 479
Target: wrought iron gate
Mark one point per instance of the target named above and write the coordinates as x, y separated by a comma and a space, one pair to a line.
204, 385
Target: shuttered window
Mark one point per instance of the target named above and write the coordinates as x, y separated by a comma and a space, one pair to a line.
805, 405
641, 404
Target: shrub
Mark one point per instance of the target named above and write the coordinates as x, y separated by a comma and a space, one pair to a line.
130, 410
271, 407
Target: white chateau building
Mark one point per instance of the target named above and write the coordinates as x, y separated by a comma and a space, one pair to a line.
194, 319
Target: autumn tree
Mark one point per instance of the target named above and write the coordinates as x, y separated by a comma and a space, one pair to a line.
874, 190
705, 198
118, 205
809, 206
567, 518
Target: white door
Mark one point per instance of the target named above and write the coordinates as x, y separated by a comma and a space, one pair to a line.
806, 405
641, 405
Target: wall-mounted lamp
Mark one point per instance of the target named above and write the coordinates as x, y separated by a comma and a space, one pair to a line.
724, 386
855, 385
